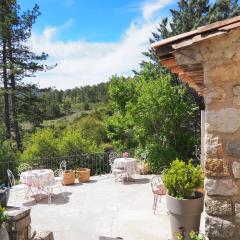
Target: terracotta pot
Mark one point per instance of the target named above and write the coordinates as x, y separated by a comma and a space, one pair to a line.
143, 168
185, 214
68, 177
4, 196
3, 233
83, 174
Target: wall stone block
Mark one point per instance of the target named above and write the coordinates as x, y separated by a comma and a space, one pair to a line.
215, 94
233, 148
217, 228
222, 187
236, 95
225, 120
216, 168
218, 207
237, 213
236, 169
213, 146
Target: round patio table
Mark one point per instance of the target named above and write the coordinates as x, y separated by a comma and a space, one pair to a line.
37, 178
129, 164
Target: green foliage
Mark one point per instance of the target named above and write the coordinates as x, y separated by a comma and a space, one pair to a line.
73, 143
192, 236
153, 115
182, 179
42, 144
3, 217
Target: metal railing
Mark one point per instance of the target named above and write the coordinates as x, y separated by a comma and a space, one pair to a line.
98, 163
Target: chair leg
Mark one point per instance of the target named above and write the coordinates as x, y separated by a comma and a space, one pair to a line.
156, 198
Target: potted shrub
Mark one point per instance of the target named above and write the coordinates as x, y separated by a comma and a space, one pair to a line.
184, 202
3, 219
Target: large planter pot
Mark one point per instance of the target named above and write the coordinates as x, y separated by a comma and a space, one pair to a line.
185, 214
83, 174
4, 196
68, 177
3, 233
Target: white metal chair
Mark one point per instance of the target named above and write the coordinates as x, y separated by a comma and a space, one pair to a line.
158, 190
58, 175
23, 167
113, 155
63, 165
55, 185
16, 188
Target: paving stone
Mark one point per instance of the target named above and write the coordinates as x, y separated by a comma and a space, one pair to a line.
222, 187
44, 236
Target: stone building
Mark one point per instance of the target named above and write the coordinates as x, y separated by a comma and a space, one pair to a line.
208, 59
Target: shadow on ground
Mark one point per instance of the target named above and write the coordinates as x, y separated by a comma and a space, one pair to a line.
57, 199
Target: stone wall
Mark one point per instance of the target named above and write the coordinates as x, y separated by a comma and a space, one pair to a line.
19, 225
220, 58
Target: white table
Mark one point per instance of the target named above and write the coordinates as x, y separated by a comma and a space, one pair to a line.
129, 164
37, 178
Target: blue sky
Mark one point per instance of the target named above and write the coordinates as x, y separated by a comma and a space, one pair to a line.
95, 39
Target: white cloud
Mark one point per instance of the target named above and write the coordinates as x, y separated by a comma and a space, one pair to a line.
82, 63
149, 9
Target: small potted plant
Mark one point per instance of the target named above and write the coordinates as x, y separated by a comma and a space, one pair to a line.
3, 219
184, 202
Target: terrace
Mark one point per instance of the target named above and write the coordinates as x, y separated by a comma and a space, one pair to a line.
101, 207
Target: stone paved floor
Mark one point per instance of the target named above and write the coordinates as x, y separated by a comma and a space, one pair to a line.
102, 208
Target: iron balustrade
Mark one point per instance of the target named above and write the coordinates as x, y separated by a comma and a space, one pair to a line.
98, 163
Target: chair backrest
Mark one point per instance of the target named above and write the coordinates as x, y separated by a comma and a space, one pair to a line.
58, 173
23, 167
113, 155
63, 165
143, 157
156, 182
11, 178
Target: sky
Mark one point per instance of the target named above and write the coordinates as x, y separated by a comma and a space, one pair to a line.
91, 40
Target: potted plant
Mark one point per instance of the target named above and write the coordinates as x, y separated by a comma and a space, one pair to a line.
83, 174
68, 177
3, 219
184, 202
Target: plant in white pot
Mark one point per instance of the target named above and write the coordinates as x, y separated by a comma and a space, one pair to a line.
3, 219
184, 202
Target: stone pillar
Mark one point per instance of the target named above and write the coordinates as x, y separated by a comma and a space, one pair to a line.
220, 59
18, 223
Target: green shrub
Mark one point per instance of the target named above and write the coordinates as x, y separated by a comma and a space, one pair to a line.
182, 179
192, 236
3, 217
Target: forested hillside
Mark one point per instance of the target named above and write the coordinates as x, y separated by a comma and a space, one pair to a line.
151, 112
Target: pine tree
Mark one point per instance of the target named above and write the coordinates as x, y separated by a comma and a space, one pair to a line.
21, 62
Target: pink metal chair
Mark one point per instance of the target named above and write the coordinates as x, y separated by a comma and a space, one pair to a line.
158, 190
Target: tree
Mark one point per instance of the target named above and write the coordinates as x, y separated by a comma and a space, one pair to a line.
18, 60
152, 115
